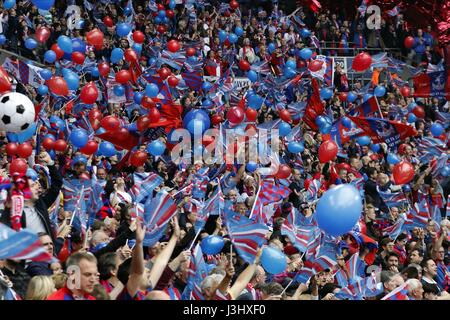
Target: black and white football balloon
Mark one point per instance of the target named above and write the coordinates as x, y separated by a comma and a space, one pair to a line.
16, 112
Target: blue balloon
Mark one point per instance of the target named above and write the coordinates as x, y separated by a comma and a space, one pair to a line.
158, 20
295, 147
78, 45
32, 174
222, 35
212, 244
22, 136
166, 20
107, 149
232, 38
351, 96
43, 4
238, 31
306, 53
206, 86
255, 101
304, 33
30, 44
46, 74
326, 93
445, 172
50, 56
392, 158
42, 90
284, 129
339, 209
375, 147
197, 114
172, 4
94, 72
161, 13
346, 122
291, 64
151, 90
119, 90
80, 24
132, 127
363, 141
79, 137
196, 126
8, 4
366, 97
127, 11
411, 106
406, 188
436, 129
251, 166
65, 43
72, 80
137, 48
321, 121
380, 91
156, 148
207, 103
412, 118
289, 72
49, 136
116, 55
271, 47
252, 76
326, 128
138, 97
123, 29
273, 260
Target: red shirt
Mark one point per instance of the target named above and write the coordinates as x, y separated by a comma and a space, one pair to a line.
66, 294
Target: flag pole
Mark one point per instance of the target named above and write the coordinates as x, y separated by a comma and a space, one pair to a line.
379, 109
195, 238
289, 284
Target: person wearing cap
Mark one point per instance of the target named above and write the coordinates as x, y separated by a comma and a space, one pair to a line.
35, 214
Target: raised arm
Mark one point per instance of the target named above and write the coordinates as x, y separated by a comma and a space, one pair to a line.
137, 261
50, 196
244, 278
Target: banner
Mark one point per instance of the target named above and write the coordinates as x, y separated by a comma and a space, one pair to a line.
434, 84
325, 74
24, 72
112, 98
238, 83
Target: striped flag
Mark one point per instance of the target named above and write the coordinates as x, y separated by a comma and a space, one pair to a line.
22, 245
144, 188
443, 275
393, 199
341, 278
447, 211
401, 293
353, 291
158, 212
393, 12
300, 236
313, 189
246, 235
355, 267
421, 214
394, 230
197, 271
305, 273
372, 287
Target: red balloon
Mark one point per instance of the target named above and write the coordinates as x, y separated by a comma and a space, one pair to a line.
235, 115
154, 115
138, 36
362, 62
11, 149
142, 123
409, 42
5, 84
315, 65
170, 14
160, 28
48, 144
95, 38
110, 123
285, 115
164, 73
172, 81
78, 57
108, 21
190, 51
94, 114
18, 166
343, 96
344, 166
148, 103
419, 112
173, 46
123, 76
103, 68
403, 172
89, 93
284, 171
138, 158
24, 150
90, 148
58, 86
60, 145
216, 119
234, 4
130, 55
301, 64
405, 91
328, 150
57, 50
251, 114
160, 6
244, 65
42, 34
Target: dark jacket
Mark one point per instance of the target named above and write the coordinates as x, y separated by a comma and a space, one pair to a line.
37, 268
42, 204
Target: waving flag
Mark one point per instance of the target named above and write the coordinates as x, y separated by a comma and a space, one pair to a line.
72, 188
216, 202
305, 273
143, 188
429, 147
356, 267
300, 236
366, 109
22, 245
158, 212
393, 12
394, 230
421, 213
434, 84
341, 278
372, 287
314, 106
313, 189
197, 271
326, 257
401, 293
246, 235
353, 291
393, 199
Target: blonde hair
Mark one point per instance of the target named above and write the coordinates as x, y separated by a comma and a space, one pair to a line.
39, 288
59, 280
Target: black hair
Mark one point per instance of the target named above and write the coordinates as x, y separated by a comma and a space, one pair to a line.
411, 272
124, 271
106, 264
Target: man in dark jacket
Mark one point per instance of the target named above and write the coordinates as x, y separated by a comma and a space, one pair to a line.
35, 212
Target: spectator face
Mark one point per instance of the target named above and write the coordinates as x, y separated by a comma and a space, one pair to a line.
35, 188
101, 174
370, 212
390, 247
56, 268
392, 262
431, 268
394, 283
394, 213
47, 243
441, 254
89, 275
414, 257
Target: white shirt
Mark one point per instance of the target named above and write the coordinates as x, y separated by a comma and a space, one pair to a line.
33, 221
